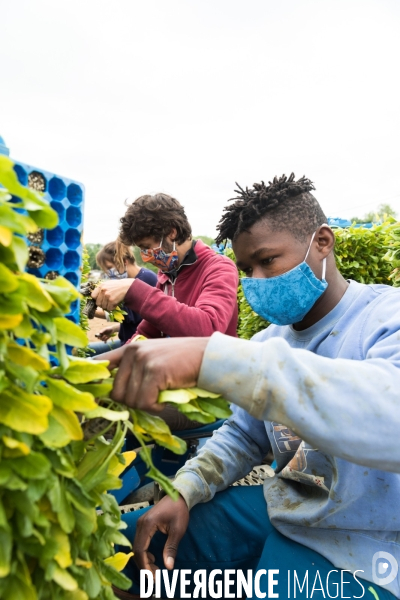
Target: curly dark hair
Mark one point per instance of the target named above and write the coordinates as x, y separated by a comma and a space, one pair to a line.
285, 203
154, 216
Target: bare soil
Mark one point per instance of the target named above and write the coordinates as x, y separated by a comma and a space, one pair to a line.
95, 326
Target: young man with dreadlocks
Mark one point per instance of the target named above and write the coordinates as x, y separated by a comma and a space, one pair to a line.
319, 387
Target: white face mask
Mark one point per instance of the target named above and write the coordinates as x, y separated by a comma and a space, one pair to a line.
115, 274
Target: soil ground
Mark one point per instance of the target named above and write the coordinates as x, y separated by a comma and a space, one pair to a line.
95, 326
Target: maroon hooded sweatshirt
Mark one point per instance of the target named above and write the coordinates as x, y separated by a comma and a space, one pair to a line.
201, 299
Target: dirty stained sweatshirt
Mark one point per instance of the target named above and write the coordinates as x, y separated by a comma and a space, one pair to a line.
326, 401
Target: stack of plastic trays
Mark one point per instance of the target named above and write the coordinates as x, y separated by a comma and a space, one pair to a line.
57, 251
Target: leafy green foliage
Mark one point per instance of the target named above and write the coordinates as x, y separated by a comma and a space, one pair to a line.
55, 466
197, 404
361, 253
83, 318
365, 255
52, 540
392, 242
382, 213
206, 239
91, 251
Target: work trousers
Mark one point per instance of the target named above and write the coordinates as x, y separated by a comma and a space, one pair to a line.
233, 531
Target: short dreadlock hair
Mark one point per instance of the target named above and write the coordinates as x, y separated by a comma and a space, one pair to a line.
285, 203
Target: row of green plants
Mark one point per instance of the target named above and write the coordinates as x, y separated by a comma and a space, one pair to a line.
61, 436
362, 254
54, 543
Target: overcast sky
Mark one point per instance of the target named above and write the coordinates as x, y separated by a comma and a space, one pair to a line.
188, 96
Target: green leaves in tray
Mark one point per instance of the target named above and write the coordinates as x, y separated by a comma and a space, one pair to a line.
197, 404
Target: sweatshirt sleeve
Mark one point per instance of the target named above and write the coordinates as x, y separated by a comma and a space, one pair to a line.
213, 311
347, 408
231, 453
148, 330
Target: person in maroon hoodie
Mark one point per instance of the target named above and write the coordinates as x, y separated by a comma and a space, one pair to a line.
196, 289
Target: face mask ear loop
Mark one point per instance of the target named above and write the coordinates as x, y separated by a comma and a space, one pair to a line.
324, 261
323, 268
309, 247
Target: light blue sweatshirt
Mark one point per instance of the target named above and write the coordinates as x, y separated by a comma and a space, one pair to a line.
337, 386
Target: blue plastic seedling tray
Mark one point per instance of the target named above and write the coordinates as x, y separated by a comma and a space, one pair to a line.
63, 244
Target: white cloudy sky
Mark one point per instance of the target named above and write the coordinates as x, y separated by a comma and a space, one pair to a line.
189, 96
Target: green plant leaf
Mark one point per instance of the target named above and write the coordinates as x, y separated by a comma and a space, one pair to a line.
67, 396
5, 236
26, 375
36, 296
61, 506
120, 580
25, 329
64, 579
8, 281
24, 412
16, 589
20, 252
14, 448
92, 583
70, 333
106, 413
23, 356
69, 421
83, 371
5, 551
195, 413
218, 407
10, 321
94, 459
176, 396
32, 466
98, 390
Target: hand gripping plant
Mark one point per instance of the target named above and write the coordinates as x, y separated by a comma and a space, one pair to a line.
58, 525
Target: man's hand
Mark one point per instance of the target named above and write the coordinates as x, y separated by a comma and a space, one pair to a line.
169, 517
110, 293
148, 367
106, 333
114, 356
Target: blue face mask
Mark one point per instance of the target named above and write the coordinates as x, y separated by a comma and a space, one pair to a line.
287, 298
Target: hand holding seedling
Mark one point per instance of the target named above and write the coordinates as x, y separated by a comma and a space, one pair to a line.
148, 368
105, 333
111, 293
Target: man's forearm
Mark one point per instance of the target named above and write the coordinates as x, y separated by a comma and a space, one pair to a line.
338, 405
